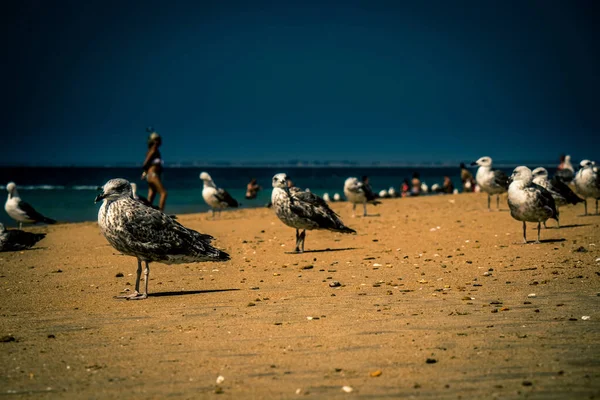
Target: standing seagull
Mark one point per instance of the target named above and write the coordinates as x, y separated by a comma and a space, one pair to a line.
16, 239
21, 211
149, 234
303, 210
561, 193
216, 198
528, 201
587, 182
358, 193
492, 181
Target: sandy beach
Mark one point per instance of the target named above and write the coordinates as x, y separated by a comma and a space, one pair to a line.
437, 299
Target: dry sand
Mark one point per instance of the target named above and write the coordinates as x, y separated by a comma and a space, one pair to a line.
436, 301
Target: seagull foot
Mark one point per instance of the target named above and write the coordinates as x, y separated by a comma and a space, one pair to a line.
133, 296
537, 242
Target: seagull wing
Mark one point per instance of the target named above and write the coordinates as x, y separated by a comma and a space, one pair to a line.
156, 235
223, 196
500, 178
563, 190
33, 214
543, 199
310, 206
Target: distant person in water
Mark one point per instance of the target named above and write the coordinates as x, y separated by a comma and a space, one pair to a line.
467, 179
252, 189
153, 168
448, 186
416, 185
405, 188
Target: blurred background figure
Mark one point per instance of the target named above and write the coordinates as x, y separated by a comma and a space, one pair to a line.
252, 189
467, 179
565, 171
153, 168
448, 186
416, 185
405, 188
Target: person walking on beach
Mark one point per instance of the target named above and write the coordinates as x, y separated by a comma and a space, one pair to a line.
467, 179
405, 189
252, 189
153, 167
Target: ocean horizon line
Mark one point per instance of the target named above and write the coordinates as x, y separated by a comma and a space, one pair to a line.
290, 164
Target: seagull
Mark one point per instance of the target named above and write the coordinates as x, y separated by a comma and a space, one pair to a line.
216, 198
392, 192
16, 239
337, 197
357, 192
326, 197
561, 193
567, 173
492, 181
587, 182
21, 211
528, 201
303, 210
148, 234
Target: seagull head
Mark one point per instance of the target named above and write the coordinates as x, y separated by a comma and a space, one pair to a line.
11, 188
583, 163
280, 181
351, 182
540, 172
114, 189
483, 162
521, 174
205, 177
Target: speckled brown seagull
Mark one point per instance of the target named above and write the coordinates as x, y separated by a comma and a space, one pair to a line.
148, 234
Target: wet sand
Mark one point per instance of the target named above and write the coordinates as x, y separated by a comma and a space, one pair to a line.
436, 300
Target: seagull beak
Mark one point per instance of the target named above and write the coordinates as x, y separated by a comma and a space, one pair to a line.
510, 179
98, 198
473, 163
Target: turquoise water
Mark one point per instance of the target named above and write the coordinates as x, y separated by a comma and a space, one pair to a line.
67, 194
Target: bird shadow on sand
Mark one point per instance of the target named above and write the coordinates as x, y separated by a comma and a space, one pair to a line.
567, 226
321, 250
551, 240
188, 292
588, 215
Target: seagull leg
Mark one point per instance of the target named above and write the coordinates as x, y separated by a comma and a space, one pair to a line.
20, 225
365, 209
558, 222
539, 228
596, 206
524, 233
297, 241
353, 210
489, 200
302, 237
585, 205
497, 201
136, 295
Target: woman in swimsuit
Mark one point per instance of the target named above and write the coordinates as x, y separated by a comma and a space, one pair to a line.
153, 166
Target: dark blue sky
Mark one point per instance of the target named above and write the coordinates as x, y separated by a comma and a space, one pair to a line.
249, 81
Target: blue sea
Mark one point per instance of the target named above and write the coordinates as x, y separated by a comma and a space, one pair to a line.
67, 193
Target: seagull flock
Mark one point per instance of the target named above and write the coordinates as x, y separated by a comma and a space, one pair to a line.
135, 228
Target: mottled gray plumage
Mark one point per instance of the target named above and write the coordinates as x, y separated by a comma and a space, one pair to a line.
303, 211
587, 182
560, 192
15, 239
148, 234
529, 202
